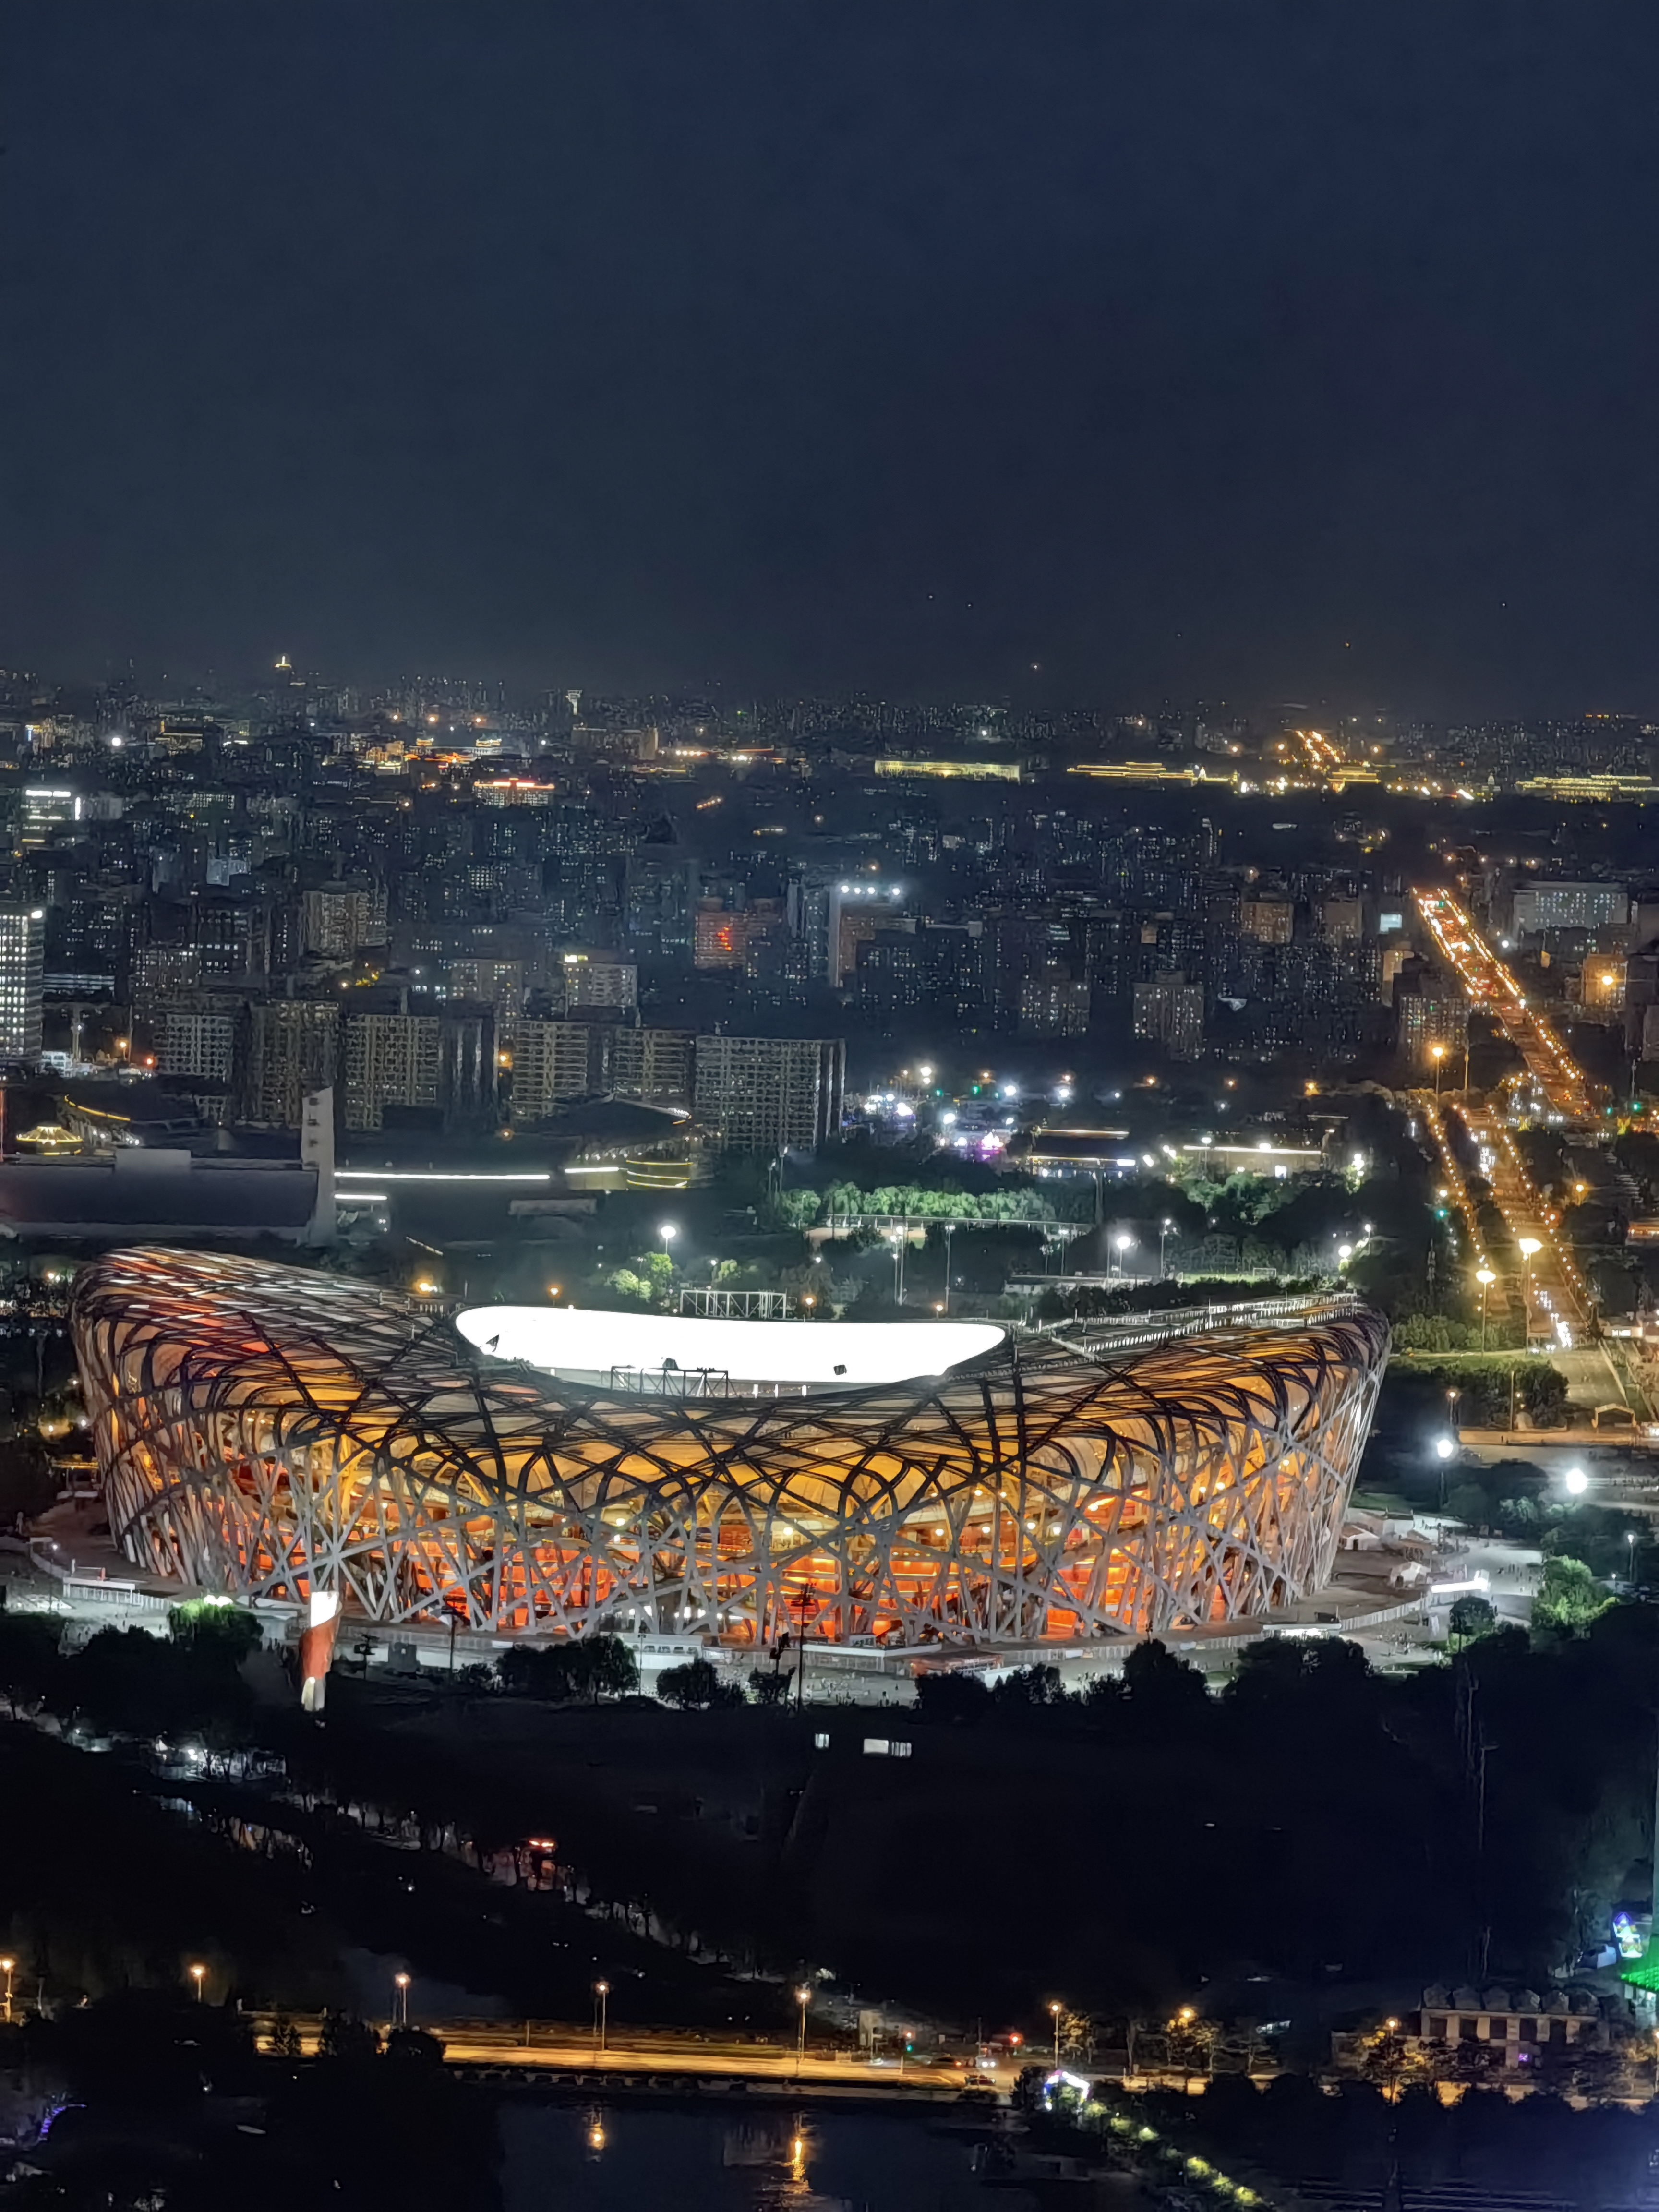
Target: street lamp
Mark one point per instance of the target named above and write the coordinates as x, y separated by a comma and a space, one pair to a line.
1436, 1054
601, 1991
1528, 1247
400, 1983
1165, 1227
1122, 1244
1054, 2010
1452, 1398
1486, 1278
899, 1239
197, 1974
668, 1231
1575, 1482
802, 1996
949, 1231
10, 1967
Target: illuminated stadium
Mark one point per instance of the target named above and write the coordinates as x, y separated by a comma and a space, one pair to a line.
275, 1432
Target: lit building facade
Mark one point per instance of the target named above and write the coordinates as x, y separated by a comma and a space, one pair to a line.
22, 981
769, 1094
273, 1433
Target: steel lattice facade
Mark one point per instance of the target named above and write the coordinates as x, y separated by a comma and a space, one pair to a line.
265, 1430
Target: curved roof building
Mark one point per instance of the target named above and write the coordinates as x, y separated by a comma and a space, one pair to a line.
271, 1431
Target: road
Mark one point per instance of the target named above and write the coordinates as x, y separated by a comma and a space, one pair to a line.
558, 2047
1489, 984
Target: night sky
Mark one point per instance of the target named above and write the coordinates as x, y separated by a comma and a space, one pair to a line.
1238, 351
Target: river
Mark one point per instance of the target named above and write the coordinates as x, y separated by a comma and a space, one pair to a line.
620, 2158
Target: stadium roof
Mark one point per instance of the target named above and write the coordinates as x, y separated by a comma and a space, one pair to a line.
593, 1345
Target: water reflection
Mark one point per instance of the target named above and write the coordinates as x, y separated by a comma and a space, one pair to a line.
625, 2158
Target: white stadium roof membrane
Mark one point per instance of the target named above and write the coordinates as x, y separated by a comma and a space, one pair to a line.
588, 1345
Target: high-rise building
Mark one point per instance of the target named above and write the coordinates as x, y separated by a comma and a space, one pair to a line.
769, 1094
198, 1037
656, 1067
290, 1046
1431, 1014
727, 936
49, 811
390, 1060
1269, 920
231, 937
592, 982
498, 983
337, 920
854, 911
23, 972
1170, 1010
660, 897
1539, 906
1054, 1005
551, 1063
555, 1063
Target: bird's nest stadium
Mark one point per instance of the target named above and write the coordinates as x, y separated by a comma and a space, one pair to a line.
276, 1432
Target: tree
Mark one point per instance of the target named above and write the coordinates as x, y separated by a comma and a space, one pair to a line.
1470, 1616
349, 2040
415, 2046
797, 1209
537, 1670
1569, 1597
591, 1667
127, 1678
1030, 1686
951, 1696
695, 1687
28, 1656
605, 1666
1161, 1689
212, 1628
769, 1687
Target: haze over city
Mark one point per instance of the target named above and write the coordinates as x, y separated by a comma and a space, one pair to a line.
1113, 353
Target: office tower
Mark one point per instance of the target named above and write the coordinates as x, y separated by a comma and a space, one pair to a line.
49, 811
23, 972
769, 1094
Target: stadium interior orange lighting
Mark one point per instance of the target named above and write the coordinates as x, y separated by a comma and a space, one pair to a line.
265, 1430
